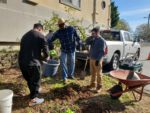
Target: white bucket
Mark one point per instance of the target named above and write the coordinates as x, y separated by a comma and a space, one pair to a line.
6, 96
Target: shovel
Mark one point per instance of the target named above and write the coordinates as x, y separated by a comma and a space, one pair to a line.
83, 73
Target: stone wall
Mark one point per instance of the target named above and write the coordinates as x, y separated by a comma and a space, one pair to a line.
8, 59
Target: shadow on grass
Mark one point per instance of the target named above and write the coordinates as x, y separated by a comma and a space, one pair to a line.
20, 102
101, 104
52, 80
62, 93
72, 94
16, 88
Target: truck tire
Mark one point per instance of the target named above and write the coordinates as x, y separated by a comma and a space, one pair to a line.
114, 64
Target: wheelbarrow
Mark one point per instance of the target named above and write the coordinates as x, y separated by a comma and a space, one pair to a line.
135, 85
129, 63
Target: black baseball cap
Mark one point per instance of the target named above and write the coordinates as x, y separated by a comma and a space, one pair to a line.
38, 25
95, 29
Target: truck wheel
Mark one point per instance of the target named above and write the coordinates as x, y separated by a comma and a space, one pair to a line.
115, 62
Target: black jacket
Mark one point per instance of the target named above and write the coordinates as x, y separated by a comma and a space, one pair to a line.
33, 49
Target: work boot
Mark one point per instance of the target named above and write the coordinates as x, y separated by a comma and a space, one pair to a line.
65, 81
71, 77
92, 85
98, 88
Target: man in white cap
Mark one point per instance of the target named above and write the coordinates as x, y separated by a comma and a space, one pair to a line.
68, 37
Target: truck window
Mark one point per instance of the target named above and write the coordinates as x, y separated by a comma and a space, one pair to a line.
132, 38
111, 35
127, 37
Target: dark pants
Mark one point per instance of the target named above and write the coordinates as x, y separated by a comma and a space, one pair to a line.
32, 75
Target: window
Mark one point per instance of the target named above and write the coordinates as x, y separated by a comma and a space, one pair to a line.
3, 1
111, 35
72, 3
127, 36
103, 5
131, 37
31, 2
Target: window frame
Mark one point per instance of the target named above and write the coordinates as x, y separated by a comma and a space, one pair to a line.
111, 34
71, 5
132, 37
31, 2
128, 35
102, 3
3, 1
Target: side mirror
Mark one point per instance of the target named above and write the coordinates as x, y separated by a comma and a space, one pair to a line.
135, 40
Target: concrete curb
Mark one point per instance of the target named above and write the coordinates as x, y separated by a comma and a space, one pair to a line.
147, 92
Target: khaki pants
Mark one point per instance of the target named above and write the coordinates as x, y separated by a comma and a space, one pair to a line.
96, 72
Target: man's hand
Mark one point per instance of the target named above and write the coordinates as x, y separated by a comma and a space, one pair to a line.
48, 58
97, 63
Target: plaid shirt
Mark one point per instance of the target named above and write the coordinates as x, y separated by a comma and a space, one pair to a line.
68, 38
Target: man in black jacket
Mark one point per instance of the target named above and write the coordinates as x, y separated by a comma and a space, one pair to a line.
33, 49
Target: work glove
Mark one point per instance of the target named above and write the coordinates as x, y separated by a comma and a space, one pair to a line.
97, 63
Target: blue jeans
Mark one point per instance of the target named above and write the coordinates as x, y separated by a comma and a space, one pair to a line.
67, 61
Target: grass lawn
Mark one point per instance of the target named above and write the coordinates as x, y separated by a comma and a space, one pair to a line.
73, 97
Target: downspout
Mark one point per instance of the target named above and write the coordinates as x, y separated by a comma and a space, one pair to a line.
94, 12
109, 16
148, 22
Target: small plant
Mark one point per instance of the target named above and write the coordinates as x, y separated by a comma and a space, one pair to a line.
68, 111
3, 50
51, 24
54, 54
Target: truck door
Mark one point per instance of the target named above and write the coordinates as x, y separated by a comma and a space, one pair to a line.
127, 44
133, 48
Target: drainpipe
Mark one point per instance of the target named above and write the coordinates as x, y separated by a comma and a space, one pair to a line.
109, 16
94, 12
148, 22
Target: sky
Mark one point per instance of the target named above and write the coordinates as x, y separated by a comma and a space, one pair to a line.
133, 11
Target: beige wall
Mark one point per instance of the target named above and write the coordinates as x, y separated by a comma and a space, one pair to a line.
103, 16
86, 11
17, 17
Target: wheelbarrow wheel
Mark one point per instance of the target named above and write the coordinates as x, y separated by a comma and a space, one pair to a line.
114, 90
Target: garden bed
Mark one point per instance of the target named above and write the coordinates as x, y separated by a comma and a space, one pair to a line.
73, 97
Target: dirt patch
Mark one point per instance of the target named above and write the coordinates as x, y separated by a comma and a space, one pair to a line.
72, 91
74, 96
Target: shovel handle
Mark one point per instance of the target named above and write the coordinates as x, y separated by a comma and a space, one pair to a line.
85, 64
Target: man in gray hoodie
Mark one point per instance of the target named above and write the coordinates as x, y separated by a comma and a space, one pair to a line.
96, 54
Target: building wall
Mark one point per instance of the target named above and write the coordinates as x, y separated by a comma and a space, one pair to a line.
86, 11
17, 17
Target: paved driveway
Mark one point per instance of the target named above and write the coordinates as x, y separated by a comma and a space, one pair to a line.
145, 50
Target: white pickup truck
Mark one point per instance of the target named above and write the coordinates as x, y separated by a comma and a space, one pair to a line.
119, 44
